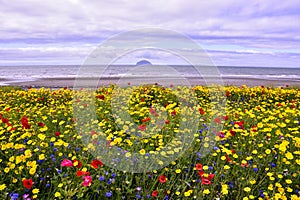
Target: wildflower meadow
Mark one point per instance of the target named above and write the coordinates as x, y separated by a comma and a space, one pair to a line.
58, 143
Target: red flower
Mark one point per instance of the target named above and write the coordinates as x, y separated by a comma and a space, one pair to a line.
225, 117
232, 132
100, 97
4, 120
82, 173
77, 163
198, 167
201, 111
154, 193
57, 133
142, 127
167, 122
41, 124
146, 119
24, 122
173, 112
227, 158
217, 120
27, 183
96, 163
205, 181
162, 179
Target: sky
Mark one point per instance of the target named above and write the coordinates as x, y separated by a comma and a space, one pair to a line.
232, 32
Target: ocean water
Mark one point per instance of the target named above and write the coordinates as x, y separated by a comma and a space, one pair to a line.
14, 74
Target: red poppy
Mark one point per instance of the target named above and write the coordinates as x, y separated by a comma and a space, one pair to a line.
154, 193
100, 97
199, 167
82, 173
57, 133
201, 111
217, 120
4, 120
232, 132
225, 117
167, 122
25, 124
41, 124
27, 183
201, 173
142, 127
205, 181
162, 179
96, 163
77, 163
146, 119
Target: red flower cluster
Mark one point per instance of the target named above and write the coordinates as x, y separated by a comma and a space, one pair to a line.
96, 163
205, 178
201, 111
25, 124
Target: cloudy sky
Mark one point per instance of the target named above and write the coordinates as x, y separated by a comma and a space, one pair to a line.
233, 32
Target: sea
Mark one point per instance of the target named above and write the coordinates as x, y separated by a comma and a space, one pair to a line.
15, 74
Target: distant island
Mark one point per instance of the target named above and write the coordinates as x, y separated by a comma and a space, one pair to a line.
143, 62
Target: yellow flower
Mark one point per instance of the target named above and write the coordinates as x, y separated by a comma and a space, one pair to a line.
178, 171
247, 189
41, 156
254, 152
288, 181
206, 191
35, 191
289, 156
57, 194
6, 170
2, 187
226, 167
128, 154
252, 182
268, 151
142, 152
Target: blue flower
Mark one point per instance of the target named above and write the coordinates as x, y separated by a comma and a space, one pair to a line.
255, 169
101, 178
108, 194
14, 196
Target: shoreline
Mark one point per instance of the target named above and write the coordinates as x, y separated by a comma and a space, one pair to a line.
92, 82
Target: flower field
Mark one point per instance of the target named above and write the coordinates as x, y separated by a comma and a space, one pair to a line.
62, 144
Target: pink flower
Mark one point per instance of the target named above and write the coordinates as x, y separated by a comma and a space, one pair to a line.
66, 163
87, 181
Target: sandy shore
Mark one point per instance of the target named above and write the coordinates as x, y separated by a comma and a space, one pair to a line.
93, 82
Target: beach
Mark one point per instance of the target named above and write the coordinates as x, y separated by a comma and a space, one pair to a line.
56, 76
92, 82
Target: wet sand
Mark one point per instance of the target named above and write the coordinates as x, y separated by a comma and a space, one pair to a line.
94, 82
